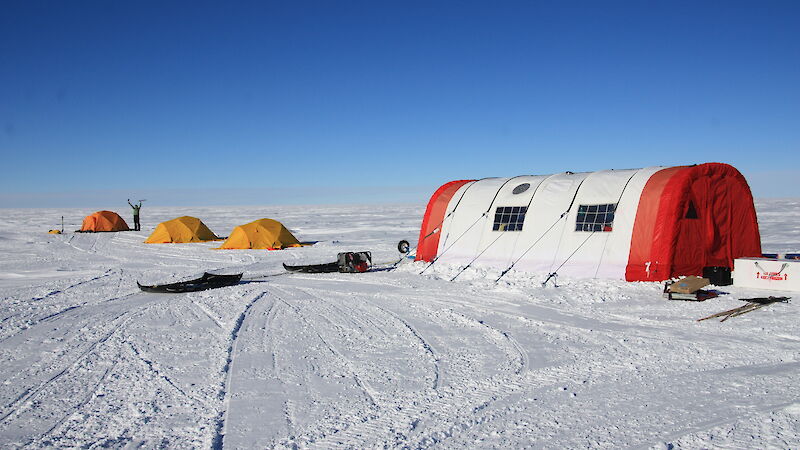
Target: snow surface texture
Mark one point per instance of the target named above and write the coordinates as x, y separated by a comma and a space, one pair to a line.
385, 359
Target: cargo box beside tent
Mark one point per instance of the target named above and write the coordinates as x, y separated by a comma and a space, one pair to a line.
778, 274
647, 224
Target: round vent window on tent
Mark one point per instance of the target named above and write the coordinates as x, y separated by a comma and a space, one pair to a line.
521, 188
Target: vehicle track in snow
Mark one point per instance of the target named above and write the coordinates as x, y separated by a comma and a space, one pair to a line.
23, 312
38, 401
74, 285
58, 291
60, 312
463, 391
275, 365
466, 406
224, 393
20, 298
426, 415
437, 375
436, 423
464, 415
153, 367
311, 353
22, 401
143, 376
257, 405
393, 304
642, 408
368, 391
501, 337
360, 320
390, 423
90, 393
208, 314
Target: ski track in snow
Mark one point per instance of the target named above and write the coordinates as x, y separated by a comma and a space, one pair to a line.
377, 360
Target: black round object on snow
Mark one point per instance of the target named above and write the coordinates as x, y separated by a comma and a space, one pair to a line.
403, 246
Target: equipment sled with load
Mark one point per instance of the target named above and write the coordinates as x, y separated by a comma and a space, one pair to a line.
353, 262
346, 262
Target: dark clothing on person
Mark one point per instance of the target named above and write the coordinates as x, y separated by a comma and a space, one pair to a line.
136, 208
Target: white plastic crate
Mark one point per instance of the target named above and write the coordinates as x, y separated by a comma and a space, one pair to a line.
767, 273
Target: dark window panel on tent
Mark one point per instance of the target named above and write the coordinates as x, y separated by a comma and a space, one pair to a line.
595, 217
509, 218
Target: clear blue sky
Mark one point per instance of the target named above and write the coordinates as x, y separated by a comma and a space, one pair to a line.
320, 102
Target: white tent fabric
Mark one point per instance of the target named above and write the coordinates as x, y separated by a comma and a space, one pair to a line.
548, 237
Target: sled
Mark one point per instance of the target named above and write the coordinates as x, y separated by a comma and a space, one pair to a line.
346, 262
313, 268
207, 281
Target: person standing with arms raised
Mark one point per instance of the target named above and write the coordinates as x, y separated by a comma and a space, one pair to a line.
136, 208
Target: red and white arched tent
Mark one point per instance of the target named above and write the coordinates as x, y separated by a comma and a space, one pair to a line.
647, 224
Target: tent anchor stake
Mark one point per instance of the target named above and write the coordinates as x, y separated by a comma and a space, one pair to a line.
553, 276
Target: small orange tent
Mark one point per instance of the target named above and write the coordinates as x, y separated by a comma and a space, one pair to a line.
262, 233
181, 230
104, 221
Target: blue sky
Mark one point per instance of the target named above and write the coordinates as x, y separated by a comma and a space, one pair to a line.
192, 103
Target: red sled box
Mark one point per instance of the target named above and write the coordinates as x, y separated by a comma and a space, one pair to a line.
767, 273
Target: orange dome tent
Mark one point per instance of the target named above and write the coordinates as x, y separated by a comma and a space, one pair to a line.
181, 230
104, 221
263, 233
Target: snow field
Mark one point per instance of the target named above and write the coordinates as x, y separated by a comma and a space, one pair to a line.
385, 359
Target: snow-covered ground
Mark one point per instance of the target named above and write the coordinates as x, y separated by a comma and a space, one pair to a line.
386, 359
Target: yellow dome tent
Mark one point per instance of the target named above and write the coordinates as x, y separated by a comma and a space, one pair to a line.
181, 230
262, 233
